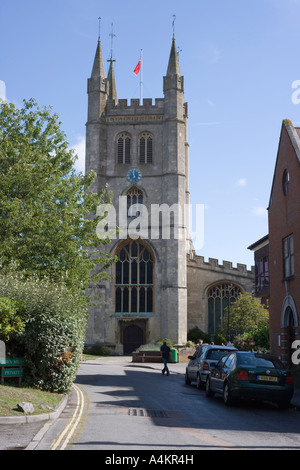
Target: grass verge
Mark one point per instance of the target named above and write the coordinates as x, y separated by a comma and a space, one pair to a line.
11, 396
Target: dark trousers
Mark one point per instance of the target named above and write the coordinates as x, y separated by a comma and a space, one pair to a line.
165, 369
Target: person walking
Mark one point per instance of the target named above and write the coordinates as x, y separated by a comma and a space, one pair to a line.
165, 353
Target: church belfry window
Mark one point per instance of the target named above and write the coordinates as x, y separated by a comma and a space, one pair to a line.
134, 279
124, 144
145, 148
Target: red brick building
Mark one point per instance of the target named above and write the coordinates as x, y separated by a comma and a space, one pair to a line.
284, 245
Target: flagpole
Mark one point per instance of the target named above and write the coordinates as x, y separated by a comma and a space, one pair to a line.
141, 79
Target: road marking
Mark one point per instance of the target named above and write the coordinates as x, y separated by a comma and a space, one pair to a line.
69, 430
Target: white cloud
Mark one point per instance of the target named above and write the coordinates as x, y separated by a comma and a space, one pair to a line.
241, 182
79, 149
2, 90
259, 211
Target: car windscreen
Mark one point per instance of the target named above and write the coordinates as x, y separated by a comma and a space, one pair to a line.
216, 354
255, 360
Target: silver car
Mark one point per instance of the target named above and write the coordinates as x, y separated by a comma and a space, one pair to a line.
200, 364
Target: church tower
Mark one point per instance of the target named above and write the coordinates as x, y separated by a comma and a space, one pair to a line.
140, 151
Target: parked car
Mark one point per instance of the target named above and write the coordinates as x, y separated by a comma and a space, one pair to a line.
201, 362
250, 375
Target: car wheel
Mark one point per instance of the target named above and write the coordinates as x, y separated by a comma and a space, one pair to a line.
199, 382
227, 397
208, 391
187, 380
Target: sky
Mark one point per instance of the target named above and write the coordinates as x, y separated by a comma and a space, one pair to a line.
240, 62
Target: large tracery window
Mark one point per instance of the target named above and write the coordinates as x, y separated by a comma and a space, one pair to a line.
218, 296
134, 279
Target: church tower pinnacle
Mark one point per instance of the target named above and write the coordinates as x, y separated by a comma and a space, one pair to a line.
173, 66
97, 87
112, 89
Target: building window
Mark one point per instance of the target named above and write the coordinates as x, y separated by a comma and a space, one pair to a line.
145, 148
124, 142
134, 279
262, 277
285, 182
134, 196
288, 256
218, 302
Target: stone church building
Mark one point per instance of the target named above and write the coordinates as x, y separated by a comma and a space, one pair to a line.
159, 286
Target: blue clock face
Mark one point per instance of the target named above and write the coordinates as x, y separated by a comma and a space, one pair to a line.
134, 175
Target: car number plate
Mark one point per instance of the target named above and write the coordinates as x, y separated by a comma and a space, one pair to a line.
266, 378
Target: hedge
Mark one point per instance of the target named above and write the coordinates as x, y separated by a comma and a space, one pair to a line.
53, 336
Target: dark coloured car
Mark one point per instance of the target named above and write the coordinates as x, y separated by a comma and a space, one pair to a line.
205, 357
249, 375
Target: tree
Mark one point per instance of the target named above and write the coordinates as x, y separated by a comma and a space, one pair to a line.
245, 314
45, 205
10, 321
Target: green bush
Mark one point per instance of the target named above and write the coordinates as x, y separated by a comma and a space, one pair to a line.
254, 339
167, 340
194, 334
52, 340
98, 349
10, 321
220, 338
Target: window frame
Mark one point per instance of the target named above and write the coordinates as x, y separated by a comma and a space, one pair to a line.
217, 302
124, 148
135, 196
146, 156
285, 181
288, 250
134, 279
262, 273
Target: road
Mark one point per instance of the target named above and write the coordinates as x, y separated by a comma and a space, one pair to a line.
125, 407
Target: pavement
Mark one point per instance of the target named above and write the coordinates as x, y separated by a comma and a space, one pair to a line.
25, 432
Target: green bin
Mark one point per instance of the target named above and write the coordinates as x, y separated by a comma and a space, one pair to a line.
174, 355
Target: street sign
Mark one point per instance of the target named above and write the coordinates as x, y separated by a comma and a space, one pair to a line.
14, 372
4, 362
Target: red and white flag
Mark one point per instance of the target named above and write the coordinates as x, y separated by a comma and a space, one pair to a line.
138, 67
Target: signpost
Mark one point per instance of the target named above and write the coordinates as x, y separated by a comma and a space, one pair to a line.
12, 368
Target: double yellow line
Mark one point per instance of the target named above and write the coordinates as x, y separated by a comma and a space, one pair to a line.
64, 438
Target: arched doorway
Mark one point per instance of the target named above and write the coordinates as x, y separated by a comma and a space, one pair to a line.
133, 337
289, 323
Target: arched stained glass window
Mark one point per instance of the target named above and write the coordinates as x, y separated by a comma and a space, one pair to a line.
134, 279
134, 196
218, 296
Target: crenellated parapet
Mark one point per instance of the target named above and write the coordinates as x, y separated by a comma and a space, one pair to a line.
134, 109
226, 267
